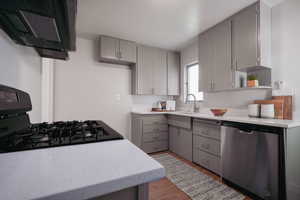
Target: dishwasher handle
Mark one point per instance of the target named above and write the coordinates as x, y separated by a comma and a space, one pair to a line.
253, 127
246, 132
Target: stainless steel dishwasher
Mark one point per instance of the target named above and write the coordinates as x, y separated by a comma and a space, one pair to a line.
250, 158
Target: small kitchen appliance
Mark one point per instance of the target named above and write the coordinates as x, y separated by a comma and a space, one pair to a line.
17, 133
253, 110
267, 111
171, 105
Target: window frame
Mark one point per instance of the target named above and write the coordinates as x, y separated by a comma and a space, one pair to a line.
187, 83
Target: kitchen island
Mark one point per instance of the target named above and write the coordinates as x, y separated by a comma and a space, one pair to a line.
78, 172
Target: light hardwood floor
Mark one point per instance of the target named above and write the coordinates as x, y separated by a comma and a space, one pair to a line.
166, 190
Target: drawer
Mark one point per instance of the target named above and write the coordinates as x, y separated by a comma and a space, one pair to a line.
150, 128
207, 160
152, 137
210, 129
207, 144
155, 120
179, 121
150, 147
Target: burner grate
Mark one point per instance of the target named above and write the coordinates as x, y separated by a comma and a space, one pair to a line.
58, 134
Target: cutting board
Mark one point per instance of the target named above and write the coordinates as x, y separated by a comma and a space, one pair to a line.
278, 106
287, 106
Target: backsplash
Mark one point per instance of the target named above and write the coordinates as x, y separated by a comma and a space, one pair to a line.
235, 101
145, 103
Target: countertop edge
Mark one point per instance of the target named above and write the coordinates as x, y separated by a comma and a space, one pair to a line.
287, 124
101, 189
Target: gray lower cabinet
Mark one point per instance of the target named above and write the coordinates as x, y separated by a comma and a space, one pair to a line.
140, 192
181, 141
150, 133
207, 144
180, 136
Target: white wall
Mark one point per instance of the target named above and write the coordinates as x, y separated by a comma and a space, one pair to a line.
286, 47
20, 67
87, 89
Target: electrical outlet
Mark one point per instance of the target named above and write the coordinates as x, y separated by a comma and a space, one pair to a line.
118, 97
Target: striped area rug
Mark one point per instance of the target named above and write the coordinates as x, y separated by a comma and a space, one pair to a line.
194, 183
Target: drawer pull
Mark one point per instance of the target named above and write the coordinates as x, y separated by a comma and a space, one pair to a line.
205, 161
205, 146
205, 132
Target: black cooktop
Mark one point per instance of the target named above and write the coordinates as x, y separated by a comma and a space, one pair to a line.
45, 135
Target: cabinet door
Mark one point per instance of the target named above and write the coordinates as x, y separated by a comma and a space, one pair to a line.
173, 73
185, 147
245, 38
221, 42
160, 72
205, 62
173, 138
108, 48
127, 51
144, 70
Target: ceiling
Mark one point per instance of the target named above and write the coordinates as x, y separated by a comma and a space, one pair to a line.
169, 24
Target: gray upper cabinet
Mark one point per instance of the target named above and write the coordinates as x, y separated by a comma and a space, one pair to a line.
144, 70
128, 51
251, 35
173, 73
151, 71
109, 48
205, 62
245, 38
215, 58
160, 72
222, 73
236, 44
113, 50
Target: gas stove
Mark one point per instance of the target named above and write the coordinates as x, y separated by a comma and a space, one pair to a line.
17, 134
60, 133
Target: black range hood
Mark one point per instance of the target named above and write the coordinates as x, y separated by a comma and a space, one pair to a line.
46, 25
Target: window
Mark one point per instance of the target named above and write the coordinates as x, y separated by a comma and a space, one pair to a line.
192, 82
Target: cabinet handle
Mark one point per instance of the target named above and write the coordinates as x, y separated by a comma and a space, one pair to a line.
236, 64
205, 161
205, 133
120, 54
205, 146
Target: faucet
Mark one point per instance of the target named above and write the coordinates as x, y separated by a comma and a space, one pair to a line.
196, 109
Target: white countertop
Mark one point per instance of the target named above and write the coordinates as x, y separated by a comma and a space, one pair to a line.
75, 172
226, 117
